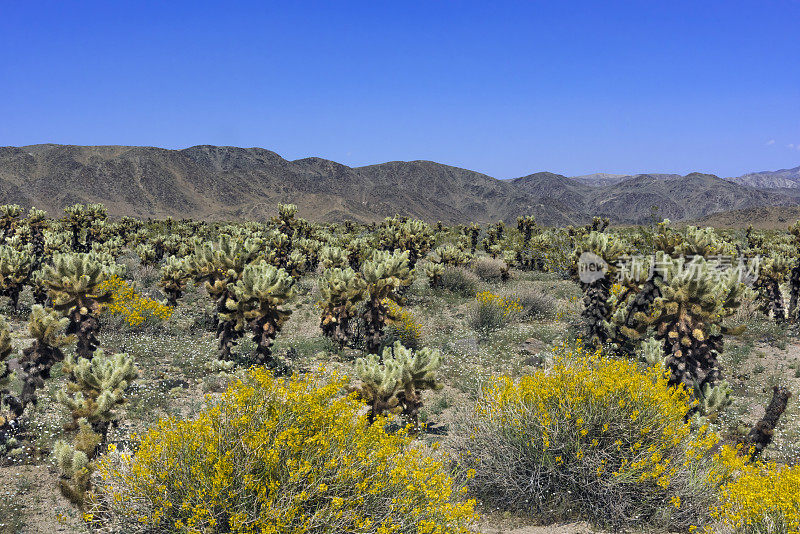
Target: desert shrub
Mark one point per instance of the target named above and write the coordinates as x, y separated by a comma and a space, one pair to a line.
133, 307
592, 438
403, 326
488, 269
491, 311
459, 281
535, 303
284, 457
758, 498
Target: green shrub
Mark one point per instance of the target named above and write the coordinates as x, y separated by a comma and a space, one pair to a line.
489, 269
535, 303
460, 281
491, 311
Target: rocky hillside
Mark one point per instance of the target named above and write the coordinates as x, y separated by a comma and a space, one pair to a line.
212, 182
781, 179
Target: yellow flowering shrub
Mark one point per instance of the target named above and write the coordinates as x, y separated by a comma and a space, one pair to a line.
132, 306
492, 311
755, 498
402, 325
275, 456
592, 437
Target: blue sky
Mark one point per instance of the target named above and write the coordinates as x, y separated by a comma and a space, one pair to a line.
504, 88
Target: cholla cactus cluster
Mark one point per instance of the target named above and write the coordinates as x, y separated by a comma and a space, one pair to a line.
383, 275
10, 406
74, 282
394, 381
47, 328
96, 389
16, 268
410, 235
597, 312
342, 290
174, 278
669, 313
256, 302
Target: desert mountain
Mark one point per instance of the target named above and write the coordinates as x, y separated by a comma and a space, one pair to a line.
784, 178
213, 182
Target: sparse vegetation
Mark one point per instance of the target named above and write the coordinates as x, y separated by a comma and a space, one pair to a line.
456, 344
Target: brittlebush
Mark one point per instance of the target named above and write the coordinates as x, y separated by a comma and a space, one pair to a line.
132, 306
593, 438
274, 456
754, 498
403, 325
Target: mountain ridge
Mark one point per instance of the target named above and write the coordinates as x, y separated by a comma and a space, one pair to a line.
226, 182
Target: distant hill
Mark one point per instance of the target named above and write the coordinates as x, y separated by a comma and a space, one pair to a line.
761, 217
603, 179
784, 178
211, 182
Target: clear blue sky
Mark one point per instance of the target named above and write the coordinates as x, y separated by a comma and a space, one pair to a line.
505, 88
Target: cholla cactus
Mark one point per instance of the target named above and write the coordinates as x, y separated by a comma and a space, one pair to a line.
85, 224
296, 264
96, 389
9, 219
651, 351
74, 282
310, 250
473, 232
383, 274
36, 223
341, 290
15, 271
256, 300
174, 277
219, 268
286, 213
147, 254
74, 468
395, 382
47, 330
526, 225
687, 316
10, 406
278, 248
412, 235
702, 242
359, 250
491, 243
434, 271
772, 273
711, 401
331, 257
600, 247
794, 276
452, 255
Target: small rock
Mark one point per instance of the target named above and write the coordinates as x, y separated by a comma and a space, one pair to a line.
531, 346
